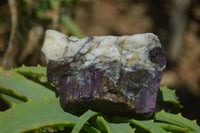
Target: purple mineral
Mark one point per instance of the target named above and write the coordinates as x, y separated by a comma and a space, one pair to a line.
109, 74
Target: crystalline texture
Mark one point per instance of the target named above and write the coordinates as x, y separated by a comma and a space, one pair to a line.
110, 74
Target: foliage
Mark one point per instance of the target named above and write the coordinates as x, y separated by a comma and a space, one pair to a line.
51, 12
34, 106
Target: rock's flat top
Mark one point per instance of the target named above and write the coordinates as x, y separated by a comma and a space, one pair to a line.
128, 50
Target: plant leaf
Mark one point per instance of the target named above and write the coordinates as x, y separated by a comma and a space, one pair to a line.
148, 125
12, 93
167, 95
107, 127
35, 114
87, 128
16, 85
10, 100
71, 26
100, 123
120, 128
82, 120
36, 70
173, 128
178, 120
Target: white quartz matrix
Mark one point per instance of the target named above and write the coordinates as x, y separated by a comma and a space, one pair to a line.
97, 50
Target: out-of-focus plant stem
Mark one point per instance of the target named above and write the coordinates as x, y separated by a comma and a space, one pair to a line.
71, 26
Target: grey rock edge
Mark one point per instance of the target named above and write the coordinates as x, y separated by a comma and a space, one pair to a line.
117, 75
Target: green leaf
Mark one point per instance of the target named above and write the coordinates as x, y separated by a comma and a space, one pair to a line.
107, 127
87, 128
178, 120
173, 128
16, 85
10, 92
71, 26
148, 125
169, 96
120, 128
82, 120
100, 123
166, 94
36, 70
36, 74
10, 100
35, 114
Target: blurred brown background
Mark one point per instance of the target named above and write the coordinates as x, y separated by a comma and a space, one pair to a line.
176, 22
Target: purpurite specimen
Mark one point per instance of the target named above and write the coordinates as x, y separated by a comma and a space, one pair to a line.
109, 74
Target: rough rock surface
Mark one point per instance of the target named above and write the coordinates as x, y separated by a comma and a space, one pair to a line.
110, 74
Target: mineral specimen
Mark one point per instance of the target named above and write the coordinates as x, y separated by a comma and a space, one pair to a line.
110, 74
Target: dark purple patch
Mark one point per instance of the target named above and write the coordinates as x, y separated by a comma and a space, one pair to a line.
82, 86
146, 102
157, 56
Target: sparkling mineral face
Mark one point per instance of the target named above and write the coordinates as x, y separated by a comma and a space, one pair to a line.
110, 74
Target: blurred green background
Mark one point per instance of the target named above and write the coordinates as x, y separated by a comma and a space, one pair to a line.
176, 22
